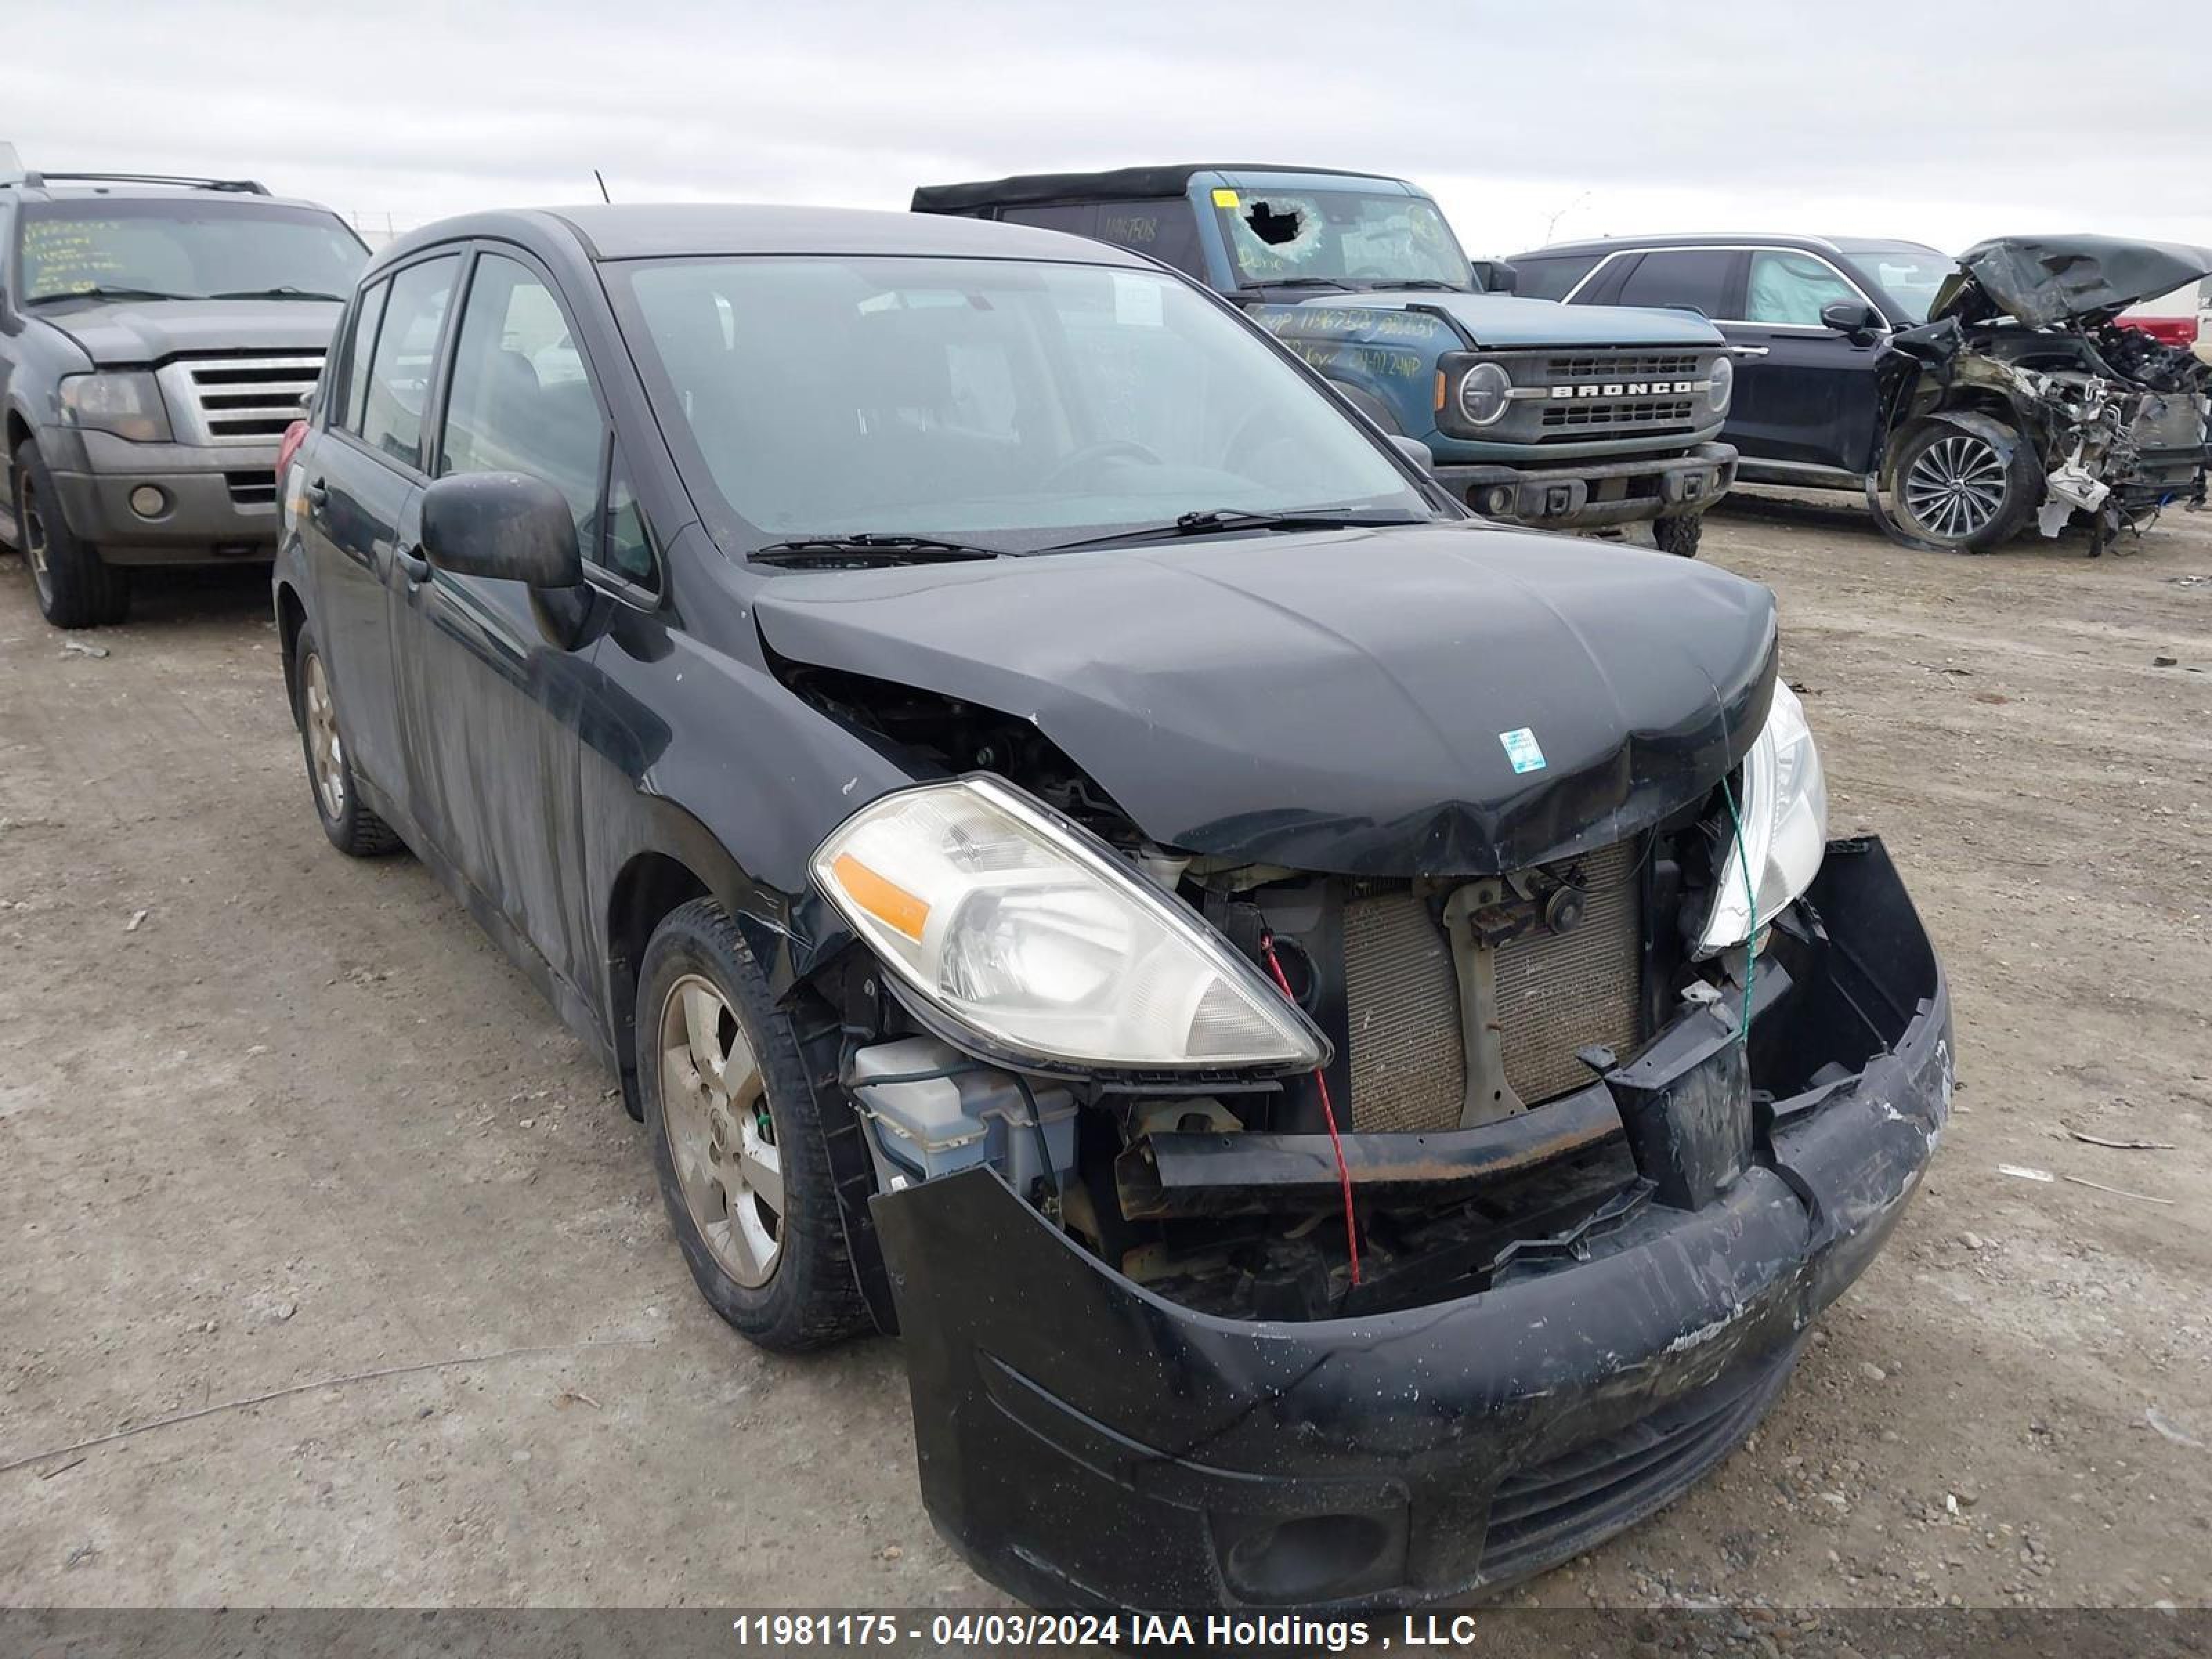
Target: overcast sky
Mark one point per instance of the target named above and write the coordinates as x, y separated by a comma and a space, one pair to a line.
1938, 122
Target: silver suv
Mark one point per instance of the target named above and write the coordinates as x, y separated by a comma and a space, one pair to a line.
156, 335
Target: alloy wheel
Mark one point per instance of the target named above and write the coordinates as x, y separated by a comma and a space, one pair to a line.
326, 751
721, 1136
34, 537
1955, 487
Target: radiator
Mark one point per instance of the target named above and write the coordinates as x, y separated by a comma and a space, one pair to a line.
1556, 994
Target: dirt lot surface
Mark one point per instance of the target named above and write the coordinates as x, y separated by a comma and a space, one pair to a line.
270, 1117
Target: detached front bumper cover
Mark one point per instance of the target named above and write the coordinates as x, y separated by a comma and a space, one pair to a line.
1084, 1442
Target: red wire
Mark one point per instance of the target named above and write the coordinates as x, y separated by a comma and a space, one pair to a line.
1328, 1115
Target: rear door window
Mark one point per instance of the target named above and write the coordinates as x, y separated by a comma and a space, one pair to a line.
1695, 277
406, 360
361, 347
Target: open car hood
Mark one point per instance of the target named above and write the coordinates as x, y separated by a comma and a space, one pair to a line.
2043, 281
1442, 700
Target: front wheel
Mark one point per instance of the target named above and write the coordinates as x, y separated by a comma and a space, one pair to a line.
77, 587
1680, 535
1959, 491
744, 1173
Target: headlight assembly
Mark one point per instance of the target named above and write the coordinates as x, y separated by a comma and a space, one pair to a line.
127, 404
1783, 808
1723, 381
1485, 394
1045, 942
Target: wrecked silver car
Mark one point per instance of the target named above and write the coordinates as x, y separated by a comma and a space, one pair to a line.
1332, 1029
2024, 399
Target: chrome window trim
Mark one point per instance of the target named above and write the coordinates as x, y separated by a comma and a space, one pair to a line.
1842, 276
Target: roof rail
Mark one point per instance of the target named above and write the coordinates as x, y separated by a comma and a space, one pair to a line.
241, 186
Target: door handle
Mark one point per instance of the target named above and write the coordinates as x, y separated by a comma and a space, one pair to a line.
316, 493
1749, 351
411, 564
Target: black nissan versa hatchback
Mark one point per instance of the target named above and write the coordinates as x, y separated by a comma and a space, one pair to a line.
1331, 1029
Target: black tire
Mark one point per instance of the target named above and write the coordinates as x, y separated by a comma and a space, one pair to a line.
77, 587
354, 829
1679, 535
809, 1298
1987, 500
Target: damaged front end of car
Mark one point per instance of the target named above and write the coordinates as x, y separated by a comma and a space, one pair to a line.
2024, 396
1322, 1149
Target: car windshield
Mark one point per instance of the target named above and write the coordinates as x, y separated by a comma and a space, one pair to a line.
190, 248
1908, 273
1344, 237
1014, 405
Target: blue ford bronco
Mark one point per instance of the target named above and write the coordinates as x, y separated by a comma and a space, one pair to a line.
1536, 413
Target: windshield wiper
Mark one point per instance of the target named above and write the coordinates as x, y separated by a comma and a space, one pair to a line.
1220, 520
1434, 283
870, 548
285, 291
1302, 281
99, 292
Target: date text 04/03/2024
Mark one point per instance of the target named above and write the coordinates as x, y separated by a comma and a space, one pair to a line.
1036, 1629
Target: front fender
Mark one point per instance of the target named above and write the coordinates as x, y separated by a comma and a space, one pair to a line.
2004, 439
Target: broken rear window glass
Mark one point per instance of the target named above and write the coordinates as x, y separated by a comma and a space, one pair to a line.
1340, 236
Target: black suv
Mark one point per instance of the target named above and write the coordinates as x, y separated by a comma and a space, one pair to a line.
1967, 398
1807, 316
1330, 1027
156, 337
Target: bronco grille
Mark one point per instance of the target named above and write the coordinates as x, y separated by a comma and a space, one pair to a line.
239, 400
1557, 994
1579, 416
1621, 365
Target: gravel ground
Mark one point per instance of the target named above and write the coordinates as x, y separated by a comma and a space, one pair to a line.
269, 1117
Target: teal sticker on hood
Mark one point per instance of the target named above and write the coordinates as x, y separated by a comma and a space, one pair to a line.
1522, 749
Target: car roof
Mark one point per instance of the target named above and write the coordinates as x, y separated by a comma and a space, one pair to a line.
1125, 184
240, 193
663, 230
1726, 238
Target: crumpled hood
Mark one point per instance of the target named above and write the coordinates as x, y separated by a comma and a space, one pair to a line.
1508, 320
136, 332
1347, 701
2043, 281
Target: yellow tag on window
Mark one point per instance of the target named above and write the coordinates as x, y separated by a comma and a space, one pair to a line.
1225, 198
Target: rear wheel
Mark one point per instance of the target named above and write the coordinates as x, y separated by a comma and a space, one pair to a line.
1679, 535
77, 587
1957, 490
354, 829
744, 1176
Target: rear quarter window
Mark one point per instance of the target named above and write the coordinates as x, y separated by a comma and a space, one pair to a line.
1163, 230
1552, 276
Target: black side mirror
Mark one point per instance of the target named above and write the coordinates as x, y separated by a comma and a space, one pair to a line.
1414, 451
1853, 317
506, 526
1494, 275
